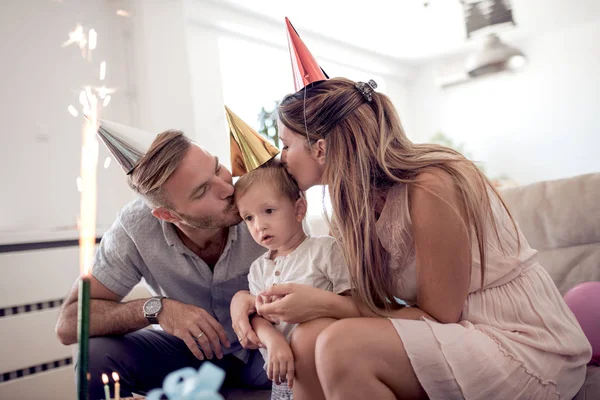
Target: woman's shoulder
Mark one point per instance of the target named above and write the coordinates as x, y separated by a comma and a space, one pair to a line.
430, 180
433, 185
433, 179
438, 198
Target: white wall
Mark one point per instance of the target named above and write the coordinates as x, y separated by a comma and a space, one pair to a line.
207, 91
40, 162
261, 72
162, 75
41, 140
542, 123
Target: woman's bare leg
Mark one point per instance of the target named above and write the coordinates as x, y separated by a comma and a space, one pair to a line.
304, 338
364, 358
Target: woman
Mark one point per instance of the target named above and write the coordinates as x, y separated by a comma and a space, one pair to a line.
421, 223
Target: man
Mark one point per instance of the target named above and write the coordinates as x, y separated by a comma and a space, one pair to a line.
184, 237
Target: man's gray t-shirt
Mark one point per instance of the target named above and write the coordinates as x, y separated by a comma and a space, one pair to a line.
138, 245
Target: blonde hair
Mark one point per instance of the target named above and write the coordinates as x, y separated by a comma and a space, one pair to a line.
366, 141
157, 166
272, 174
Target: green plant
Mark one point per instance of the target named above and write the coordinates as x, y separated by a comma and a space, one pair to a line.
268, 124
502, 180
442, 139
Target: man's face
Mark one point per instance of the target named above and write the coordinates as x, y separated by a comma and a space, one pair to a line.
201, 192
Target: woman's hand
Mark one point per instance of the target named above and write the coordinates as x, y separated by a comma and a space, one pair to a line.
242, 305
297, 303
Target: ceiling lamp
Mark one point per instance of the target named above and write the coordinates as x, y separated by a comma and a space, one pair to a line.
494, 56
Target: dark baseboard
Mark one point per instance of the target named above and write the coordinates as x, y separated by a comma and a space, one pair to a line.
9, 248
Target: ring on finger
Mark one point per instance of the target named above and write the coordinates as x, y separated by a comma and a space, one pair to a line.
200, 335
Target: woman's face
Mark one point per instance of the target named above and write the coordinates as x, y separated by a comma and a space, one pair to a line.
304, 165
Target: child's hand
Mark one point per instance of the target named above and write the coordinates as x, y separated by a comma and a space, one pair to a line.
273, 298
280, 367
267, 299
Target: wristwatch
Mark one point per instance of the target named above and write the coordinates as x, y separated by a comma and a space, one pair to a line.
152, 307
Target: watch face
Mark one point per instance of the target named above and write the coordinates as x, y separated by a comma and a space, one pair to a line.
152, 306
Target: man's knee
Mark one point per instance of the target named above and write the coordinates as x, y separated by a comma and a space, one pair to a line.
104, 353
107, 353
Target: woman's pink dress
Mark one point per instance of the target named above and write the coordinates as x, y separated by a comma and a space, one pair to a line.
516, 338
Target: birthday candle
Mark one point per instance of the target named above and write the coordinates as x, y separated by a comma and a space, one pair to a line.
106, 388
83, 325
115, 377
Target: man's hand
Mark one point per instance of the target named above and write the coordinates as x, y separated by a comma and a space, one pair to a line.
280, 366
195, 327
242, 305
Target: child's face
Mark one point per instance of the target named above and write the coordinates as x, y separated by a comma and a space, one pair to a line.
273, 219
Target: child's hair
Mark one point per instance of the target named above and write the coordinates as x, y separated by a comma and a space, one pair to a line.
272, 173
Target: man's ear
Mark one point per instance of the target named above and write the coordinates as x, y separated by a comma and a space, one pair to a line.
300, 209
165, 214
319, 149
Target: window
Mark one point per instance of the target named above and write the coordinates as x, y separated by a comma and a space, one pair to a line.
256, 75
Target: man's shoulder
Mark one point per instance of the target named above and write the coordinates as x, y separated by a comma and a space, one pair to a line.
136, 215
244, 235
247, 247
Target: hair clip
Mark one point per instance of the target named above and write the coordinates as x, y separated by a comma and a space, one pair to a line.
367, 89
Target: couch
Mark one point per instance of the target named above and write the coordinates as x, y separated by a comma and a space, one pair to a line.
561, 219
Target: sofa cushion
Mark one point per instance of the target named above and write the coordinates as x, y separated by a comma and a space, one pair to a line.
561, 219
570, 266
591, 387
556, 214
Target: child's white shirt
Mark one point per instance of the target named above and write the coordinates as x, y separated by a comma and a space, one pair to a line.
317, 262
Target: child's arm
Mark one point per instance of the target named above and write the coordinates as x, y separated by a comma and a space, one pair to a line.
280, 365
265, 331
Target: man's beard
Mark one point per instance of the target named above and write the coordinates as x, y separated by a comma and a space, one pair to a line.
229, 217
